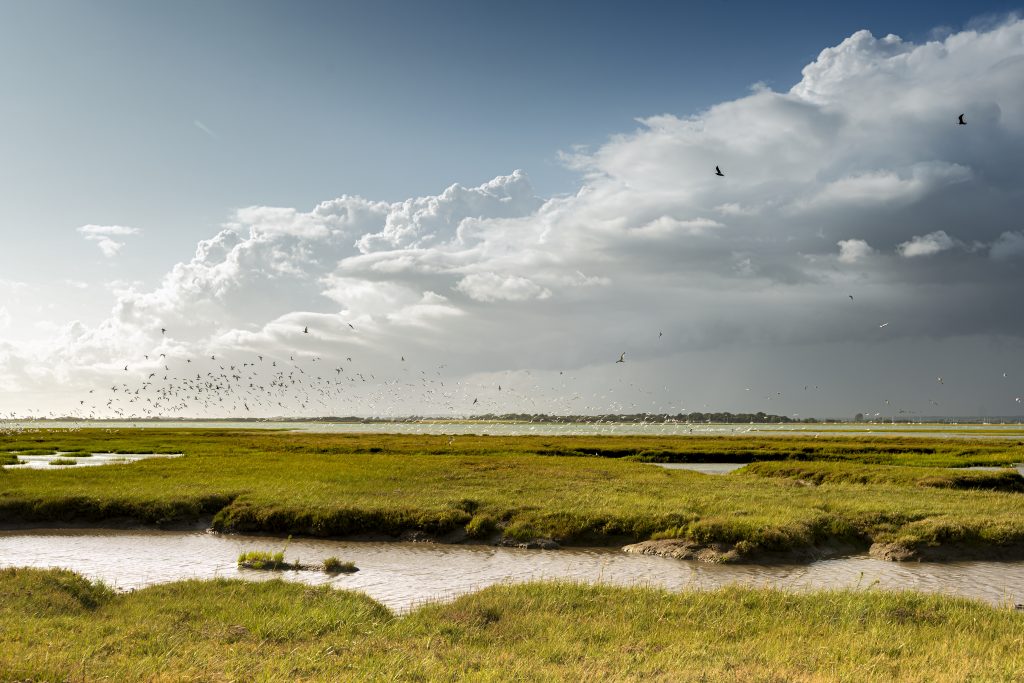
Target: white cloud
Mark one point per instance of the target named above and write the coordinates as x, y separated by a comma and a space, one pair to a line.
926, 245
852, 251
103, 236
866, 144
494, 287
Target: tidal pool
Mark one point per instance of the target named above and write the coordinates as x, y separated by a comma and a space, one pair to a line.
45, 462
402, 575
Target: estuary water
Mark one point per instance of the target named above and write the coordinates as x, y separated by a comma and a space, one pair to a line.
403, 575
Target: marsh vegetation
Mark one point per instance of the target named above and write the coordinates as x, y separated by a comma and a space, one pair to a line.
801, 494
273, 630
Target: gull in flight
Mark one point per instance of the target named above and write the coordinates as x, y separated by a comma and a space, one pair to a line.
961, 121
622, 357
718, 172
883, 324
851, 296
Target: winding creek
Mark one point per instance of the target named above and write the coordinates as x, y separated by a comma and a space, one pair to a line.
402, 575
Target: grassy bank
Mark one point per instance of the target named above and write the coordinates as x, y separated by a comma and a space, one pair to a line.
819, 473
521, 488
232, 630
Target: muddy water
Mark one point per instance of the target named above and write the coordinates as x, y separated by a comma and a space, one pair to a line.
401, 575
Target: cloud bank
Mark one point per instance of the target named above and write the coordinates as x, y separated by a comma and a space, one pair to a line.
654, 255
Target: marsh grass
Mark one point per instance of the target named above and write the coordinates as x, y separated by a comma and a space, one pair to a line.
819, 473
63, 461
332, 565
274, 630
337, 485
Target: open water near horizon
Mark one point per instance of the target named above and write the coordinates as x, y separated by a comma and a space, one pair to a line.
996, 430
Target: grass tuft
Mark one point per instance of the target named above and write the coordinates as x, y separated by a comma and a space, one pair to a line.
332, 565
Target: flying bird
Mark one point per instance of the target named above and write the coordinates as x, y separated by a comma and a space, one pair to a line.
883, 324
305, 330
163, 330
961, 120
718, 172
622, 357
851, 296
350, 325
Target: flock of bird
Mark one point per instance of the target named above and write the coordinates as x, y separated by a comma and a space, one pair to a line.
260, 385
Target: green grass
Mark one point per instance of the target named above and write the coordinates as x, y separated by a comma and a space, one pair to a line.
231, 630
332, 565
63, 461
530, 487
818, 473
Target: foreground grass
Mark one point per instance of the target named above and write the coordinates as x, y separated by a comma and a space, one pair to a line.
527, 487
233, 630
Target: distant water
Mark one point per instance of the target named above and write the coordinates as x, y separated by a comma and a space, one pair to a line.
999, 431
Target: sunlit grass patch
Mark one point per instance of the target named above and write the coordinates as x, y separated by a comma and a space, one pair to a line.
276, 630
63, 461
818, 473
852, 490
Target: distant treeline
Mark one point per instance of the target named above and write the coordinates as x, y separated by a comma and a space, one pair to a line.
659, 418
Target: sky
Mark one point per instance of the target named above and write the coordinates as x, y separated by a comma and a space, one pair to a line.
463, 196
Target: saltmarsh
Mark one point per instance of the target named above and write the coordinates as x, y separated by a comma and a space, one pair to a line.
571, 489
233, 630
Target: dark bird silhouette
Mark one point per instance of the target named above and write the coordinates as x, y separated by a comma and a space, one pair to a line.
350, 325
718, 172
851, 297
961, 120
622, 357
305, 330
163, 330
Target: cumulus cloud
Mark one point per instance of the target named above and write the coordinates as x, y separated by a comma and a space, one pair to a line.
863, 153
494, 287
926, 245
852, 251
104, 237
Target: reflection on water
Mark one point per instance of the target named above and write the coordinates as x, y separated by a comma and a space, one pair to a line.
43, 462
401, 575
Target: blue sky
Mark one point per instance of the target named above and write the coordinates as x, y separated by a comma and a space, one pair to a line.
382, 99
167, 118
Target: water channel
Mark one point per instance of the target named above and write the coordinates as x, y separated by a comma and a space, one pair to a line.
403, 575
